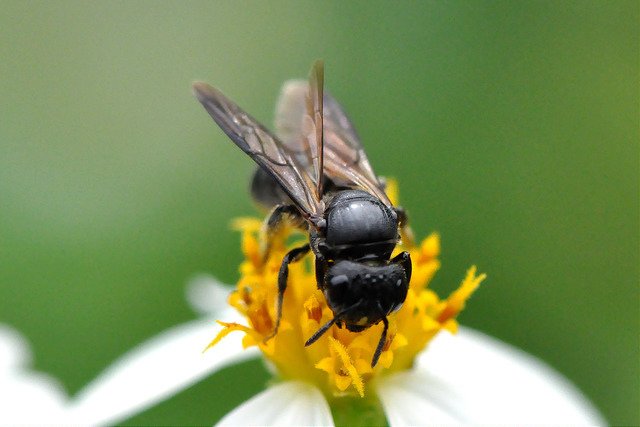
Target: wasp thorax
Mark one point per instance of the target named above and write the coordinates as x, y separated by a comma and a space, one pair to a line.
363, 294
360, 225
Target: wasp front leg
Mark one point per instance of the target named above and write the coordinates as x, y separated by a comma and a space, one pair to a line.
275, 232
322, 265
292, 256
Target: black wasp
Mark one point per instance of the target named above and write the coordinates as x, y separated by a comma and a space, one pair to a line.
316, 176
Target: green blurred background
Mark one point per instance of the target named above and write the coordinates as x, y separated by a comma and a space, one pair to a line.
512, 128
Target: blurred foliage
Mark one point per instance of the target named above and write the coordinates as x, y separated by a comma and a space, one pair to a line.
512, 128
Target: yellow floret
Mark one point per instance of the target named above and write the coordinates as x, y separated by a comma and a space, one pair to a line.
338, 362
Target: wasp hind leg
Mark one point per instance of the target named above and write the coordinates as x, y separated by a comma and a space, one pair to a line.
292, 256
275, 227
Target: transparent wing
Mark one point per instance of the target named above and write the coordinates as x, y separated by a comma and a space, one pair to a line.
345, 161
290, 110
299, 122
312, 122
265, 149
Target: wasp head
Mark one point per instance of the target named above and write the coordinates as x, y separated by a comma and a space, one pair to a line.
361, 294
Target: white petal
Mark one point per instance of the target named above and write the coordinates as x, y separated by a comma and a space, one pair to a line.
26, 397
157, 369
14, 350
408, 400
30, 398
477, 379
207, 295
292, 403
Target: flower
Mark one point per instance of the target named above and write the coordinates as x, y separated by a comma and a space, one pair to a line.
498, 384
463, 378
468, 377
340, 361
26, 397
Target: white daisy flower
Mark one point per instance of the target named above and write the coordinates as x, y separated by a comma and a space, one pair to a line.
26, 397
463, 378
423, 376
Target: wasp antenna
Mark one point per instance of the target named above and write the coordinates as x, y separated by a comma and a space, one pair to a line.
320, 332
330, 323
383, 339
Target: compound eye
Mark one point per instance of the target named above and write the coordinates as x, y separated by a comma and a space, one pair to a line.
340, 280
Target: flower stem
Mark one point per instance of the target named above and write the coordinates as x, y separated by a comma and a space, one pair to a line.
356, 411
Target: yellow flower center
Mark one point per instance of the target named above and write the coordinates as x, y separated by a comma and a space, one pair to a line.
339, 362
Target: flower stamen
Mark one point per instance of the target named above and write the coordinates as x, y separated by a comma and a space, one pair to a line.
340, 350
314, 309
228, 328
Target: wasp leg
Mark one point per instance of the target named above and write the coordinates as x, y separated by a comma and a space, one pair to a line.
292, 256
275, 226
404, 259
406, 234
381, 342
321, 269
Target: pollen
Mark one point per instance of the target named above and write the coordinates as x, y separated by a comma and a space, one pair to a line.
314, 308
339, 362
